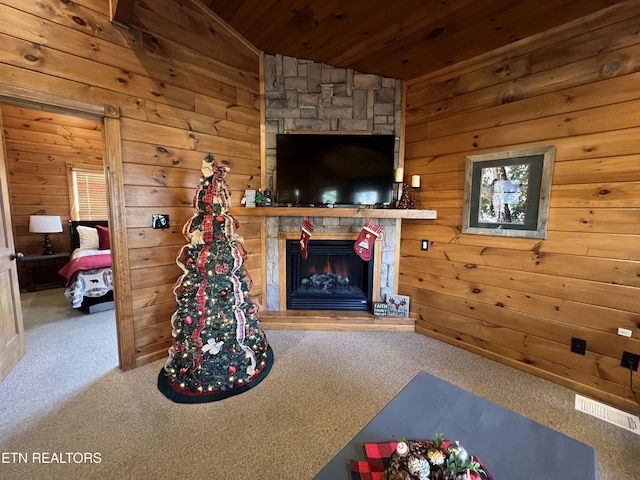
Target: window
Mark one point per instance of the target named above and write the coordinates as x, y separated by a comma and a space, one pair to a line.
88, 194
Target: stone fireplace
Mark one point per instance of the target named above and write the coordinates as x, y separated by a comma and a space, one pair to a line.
301, 95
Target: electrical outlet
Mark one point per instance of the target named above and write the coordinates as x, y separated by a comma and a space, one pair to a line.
578, 345
425, 245
624, 332
630, 361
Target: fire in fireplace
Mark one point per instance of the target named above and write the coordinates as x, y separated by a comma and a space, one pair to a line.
333, 277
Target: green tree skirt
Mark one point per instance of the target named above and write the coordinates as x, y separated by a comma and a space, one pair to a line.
177, 395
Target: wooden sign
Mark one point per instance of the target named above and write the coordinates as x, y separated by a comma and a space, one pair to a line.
379, 309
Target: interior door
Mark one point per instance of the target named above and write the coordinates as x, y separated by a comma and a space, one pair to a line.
12, 344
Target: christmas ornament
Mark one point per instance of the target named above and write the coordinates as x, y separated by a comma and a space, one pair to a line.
212, 346
232, 369
306, 230
436, 456
207, 169
419, 468
402, 449
409, 462
222, 269
197, 237
456, 449
364, 243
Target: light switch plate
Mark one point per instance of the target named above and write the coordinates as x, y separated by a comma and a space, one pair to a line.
160, 220
425, 245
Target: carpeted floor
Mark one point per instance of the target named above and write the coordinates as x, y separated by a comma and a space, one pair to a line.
68, 396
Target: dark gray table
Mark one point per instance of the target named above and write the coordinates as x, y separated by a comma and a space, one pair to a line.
510, 445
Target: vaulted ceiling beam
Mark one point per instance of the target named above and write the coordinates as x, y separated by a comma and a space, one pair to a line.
121, 10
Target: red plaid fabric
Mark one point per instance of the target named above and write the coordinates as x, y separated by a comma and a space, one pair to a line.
362, 471
378, 458
379, 454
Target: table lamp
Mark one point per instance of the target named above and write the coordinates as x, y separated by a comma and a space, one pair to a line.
45, 224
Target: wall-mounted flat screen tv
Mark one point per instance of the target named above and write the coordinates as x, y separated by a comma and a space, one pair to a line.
334, 169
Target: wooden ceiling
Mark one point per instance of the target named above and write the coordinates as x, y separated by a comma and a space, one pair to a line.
394, 38
401, 39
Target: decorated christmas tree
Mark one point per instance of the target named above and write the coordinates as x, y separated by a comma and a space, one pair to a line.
219, 347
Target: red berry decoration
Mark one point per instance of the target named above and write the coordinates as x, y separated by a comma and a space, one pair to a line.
232, 369
188, 320
220, 219
223, 293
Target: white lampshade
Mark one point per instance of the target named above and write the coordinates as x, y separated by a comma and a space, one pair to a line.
45, 224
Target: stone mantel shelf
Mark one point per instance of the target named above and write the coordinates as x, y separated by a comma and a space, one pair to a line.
334, 212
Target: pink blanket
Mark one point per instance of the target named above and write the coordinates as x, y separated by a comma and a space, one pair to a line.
88, 262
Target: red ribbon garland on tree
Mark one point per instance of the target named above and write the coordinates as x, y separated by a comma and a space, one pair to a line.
238, 257
202, 302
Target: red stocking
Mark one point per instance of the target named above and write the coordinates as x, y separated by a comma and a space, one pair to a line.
305, 234
366, 239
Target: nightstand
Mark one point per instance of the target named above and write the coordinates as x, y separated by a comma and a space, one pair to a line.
40, 272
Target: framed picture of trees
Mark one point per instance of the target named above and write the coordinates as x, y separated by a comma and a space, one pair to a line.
507, 193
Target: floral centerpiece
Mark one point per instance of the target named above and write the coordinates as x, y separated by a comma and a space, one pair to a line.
435, 459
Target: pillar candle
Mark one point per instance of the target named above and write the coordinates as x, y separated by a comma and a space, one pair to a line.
399, 174
415, 181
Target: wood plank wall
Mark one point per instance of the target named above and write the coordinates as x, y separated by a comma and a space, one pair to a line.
40, 145
520, 301
185, 86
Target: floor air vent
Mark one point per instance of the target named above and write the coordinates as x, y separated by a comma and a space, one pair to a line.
608, 414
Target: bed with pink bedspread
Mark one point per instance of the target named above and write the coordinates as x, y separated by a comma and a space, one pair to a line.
88, 273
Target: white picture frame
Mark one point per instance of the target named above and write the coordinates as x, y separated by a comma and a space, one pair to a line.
398, 306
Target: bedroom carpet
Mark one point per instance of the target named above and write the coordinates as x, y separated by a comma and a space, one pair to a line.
68, 397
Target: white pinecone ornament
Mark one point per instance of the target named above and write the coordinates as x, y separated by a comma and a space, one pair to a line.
409, 462
419, 468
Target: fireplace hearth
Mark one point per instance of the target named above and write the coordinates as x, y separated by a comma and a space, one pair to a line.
333, 277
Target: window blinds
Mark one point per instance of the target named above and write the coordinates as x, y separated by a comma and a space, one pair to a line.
90, 192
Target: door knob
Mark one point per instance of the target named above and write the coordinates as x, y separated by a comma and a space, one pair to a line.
13, 256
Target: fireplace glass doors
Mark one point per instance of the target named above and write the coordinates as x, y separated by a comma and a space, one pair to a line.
333, 277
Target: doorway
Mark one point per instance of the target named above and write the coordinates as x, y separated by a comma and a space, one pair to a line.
111, 138
43, 151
